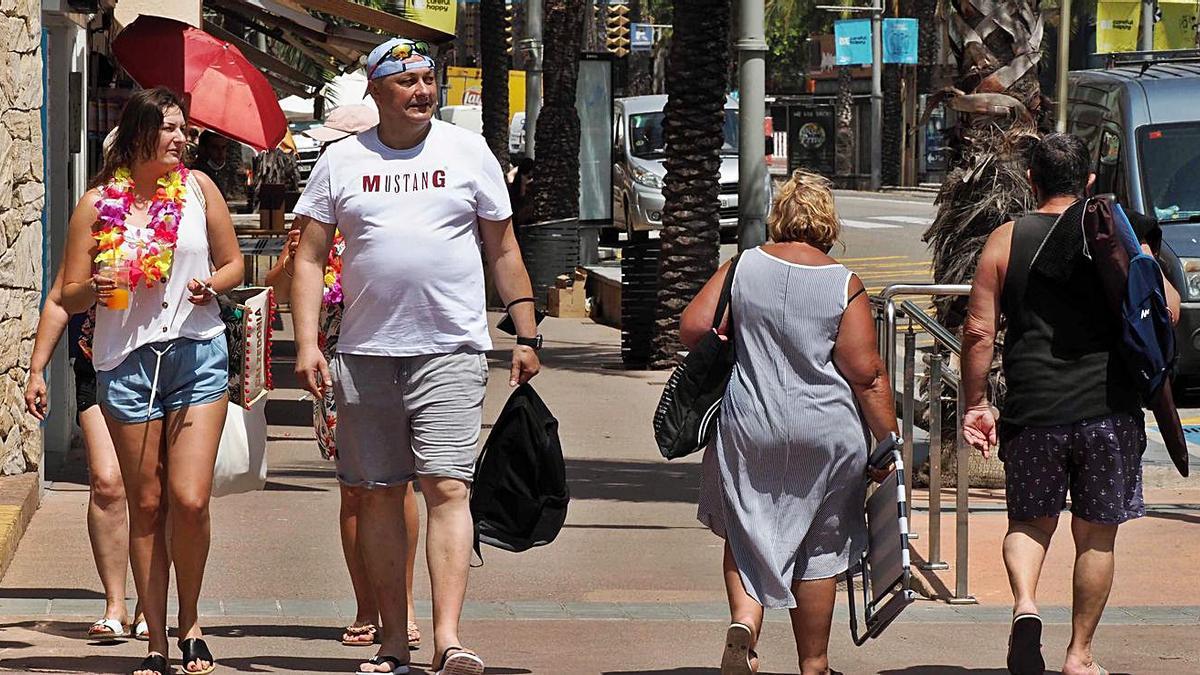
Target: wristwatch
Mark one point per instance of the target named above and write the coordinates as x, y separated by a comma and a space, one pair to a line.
534, 342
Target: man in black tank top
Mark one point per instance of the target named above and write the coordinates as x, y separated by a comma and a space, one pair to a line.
1071, 420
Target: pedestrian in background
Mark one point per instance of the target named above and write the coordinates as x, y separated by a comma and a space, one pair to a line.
1071, 418
415, 199
152, 243
784, 480
107, 520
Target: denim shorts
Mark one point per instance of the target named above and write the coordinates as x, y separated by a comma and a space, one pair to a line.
189, 372
1097, 460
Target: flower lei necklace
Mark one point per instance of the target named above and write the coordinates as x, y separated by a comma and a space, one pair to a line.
149, 250
333, 271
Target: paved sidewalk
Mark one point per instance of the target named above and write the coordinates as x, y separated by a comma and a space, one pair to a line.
632, 585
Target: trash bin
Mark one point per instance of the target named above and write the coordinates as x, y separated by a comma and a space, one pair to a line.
639, 299
549, 248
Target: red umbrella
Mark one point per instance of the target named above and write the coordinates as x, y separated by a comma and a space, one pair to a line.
226, 92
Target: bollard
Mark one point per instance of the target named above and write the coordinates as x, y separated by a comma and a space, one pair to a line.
907, 406
935, 561
961, 509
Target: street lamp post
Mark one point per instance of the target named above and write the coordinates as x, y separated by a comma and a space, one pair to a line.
752, 167
533, 71
1064, 55
1149, 9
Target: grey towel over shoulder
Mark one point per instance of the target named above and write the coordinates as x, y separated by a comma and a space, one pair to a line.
783, 479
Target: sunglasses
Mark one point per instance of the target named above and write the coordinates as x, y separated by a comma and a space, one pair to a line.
401, 52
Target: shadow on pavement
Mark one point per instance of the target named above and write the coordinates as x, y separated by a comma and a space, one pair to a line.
73, 664
944, 670
57, 593
627, 481
234, 631
580, 357
673, 671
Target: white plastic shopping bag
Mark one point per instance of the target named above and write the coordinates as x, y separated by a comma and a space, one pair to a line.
242, 456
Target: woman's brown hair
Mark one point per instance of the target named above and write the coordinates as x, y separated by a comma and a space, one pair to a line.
803, 211
137, 132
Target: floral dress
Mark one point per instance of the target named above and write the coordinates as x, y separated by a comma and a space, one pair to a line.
325, 408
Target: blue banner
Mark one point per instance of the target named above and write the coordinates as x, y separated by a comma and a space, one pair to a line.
900, 41
852, 42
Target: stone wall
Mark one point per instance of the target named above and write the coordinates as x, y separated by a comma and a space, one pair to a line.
21, 199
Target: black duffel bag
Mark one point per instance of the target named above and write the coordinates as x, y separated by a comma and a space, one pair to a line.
690, 406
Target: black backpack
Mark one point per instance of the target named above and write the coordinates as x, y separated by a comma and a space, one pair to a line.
519, 495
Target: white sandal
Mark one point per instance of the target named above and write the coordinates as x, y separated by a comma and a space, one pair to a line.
107, 629
141, 631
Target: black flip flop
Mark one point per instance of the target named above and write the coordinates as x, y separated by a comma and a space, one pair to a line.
1025, 646
194, 649
156, 662
398, 667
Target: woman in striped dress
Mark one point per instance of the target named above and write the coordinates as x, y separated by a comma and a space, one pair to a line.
784, 480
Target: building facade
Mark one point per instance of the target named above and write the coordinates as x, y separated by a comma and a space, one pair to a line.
22, 196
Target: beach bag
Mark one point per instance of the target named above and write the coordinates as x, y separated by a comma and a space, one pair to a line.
247, 313
519, 494
690, 405
241, 464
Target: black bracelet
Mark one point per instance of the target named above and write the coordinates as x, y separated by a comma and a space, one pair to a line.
517, 302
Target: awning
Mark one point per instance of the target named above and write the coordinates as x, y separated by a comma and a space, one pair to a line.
390, 24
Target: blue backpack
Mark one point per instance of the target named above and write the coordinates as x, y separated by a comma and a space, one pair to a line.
1134, 286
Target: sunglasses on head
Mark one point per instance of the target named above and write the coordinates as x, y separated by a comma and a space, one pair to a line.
403, 51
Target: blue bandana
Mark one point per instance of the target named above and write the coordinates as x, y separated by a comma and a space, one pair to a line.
392, 57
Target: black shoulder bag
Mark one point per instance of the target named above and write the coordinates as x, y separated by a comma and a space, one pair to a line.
690, 406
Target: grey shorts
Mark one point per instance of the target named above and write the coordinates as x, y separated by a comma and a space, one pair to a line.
403, 417
1097, 460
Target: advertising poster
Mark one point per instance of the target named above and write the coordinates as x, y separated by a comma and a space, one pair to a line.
466, 88
1176, 27
811, 138
436, 14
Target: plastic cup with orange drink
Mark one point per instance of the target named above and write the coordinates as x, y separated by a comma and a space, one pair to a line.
118, 272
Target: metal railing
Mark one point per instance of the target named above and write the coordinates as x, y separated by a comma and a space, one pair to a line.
939, 377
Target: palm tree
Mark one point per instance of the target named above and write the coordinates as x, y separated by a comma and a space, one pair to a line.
693, 131
1001, 109
555, 184
493, 15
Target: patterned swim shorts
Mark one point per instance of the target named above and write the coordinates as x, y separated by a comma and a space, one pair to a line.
1099, 460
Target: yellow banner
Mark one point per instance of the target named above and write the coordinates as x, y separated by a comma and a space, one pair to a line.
466, 88
1177, 28
436, 14
1117, 26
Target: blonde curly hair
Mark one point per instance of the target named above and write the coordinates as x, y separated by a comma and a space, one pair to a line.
803, 211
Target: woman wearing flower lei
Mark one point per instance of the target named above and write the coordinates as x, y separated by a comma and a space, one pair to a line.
363, 630
151, 244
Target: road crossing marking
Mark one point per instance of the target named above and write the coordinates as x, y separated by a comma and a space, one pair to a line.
910, 220
867, 225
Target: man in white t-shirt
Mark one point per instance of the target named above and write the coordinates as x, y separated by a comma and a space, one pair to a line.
414, 199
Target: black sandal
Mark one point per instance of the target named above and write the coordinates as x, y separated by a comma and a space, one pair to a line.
1025, 646
398, 667
194, 649
154, 661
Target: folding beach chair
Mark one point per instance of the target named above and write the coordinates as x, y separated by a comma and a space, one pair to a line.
884, 567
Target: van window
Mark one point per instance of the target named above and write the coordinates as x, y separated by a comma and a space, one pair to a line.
1170, 161
646, 139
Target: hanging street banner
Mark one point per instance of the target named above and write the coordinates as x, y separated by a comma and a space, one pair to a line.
852, 42
900, 41
436, 14
1117, 26
1176, 25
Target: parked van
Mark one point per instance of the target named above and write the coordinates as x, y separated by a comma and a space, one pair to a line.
638, 171
1141, 121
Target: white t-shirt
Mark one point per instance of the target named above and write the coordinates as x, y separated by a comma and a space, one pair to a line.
412, 271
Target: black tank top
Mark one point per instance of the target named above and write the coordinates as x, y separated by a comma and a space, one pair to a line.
1060, 360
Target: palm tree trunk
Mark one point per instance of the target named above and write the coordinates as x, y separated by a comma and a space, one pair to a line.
494, 56
555, 186
693, 130
844, 116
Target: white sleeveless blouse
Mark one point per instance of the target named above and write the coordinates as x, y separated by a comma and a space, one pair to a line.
162, 312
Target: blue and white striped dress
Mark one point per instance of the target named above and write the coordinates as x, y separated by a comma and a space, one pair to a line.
783, 481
